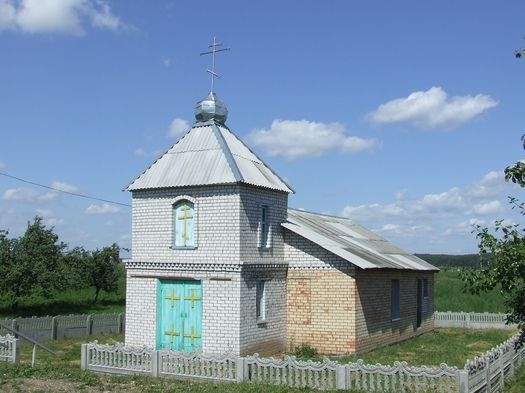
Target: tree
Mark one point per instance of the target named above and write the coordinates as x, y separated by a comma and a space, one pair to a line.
102, 269
519, 52
503, 256
29, 265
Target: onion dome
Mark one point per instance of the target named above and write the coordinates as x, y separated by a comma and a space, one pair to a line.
211, 108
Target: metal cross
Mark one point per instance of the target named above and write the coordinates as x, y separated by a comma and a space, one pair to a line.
192, 336
192, 298
172, 333
213, 50
172, 297
185, 208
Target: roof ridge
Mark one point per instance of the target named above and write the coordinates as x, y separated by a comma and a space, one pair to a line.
256, 156
227, 153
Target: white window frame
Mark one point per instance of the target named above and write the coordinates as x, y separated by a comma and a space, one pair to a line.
175, 202
260, 300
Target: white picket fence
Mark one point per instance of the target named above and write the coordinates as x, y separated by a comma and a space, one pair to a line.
485, 373
9, 349
471, 320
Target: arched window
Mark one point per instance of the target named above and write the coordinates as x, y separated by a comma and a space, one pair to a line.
184, 228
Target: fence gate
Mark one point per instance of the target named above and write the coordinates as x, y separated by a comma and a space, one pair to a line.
179, 315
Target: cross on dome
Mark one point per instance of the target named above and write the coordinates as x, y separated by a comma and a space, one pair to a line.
210, 107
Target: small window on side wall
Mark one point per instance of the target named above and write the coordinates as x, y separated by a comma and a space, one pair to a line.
425, 288
260, 301
265, 236
394, 300
184, 225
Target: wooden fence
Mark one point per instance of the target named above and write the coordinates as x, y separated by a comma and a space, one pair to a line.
471, 320
9, 349
66, 326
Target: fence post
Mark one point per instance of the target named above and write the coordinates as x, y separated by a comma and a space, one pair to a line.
83, 357
501, 369
54, 333
462, 381
120, 323
340, 377
16, 354
155, 363
14, 325
89, 325
487, 377
467, 321
239, 369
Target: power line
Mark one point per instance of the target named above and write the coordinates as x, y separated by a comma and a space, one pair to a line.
63, 191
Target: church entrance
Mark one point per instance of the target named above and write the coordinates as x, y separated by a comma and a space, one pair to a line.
179, 315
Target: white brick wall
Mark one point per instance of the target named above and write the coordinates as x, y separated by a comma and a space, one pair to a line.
301, 253
226, 219
216, 218
268, 337
220, 311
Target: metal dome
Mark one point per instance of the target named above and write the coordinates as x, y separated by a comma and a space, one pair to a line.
211, 108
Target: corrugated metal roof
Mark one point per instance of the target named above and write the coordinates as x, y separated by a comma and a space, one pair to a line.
352, 242
209, 153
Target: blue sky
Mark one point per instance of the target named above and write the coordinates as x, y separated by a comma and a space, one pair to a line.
401, 115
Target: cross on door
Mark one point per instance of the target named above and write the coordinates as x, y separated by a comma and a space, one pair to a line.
192, 298
192, 336
172, 297
172, 333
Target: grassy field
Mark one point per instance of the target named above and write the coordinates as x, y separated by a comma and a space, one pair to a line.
71, 302
63, 374
449, 295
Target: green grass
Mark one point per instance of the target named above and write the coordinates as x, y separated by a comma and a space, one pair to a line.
68, 302
79, 301
451, 346
449, 295
62, 373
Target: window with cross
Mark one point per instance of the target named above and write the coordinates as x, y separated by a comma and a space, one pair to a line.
184, 228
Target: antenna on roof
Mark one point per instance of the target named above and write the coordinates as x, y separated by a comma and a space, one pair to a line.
214, 50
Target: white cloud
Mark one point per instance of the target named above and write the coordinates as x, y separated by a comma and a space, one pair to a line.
2, 166
65, 187
56, 16
300, 138
479, 198
49, 217
167, 62
431, 109
28, 195
484, 208
105, 208
464, 227
140, 152
177, 127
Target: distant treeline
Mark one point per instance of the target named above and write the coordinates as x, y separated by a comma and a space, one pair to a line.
445, 260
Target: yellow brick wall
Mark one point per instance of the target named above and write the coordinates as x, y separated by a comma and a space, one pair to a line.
340, 312
374, 326
321, 310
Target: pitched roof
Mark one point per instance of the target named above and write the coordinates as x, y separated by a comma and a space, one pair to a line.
209, 153
352, 242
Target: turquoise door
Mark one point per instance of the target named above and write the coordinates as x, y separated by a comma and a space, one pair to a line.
179, 315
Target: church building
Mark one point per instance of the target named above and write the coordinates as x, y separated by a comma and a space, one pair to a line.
221, 264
